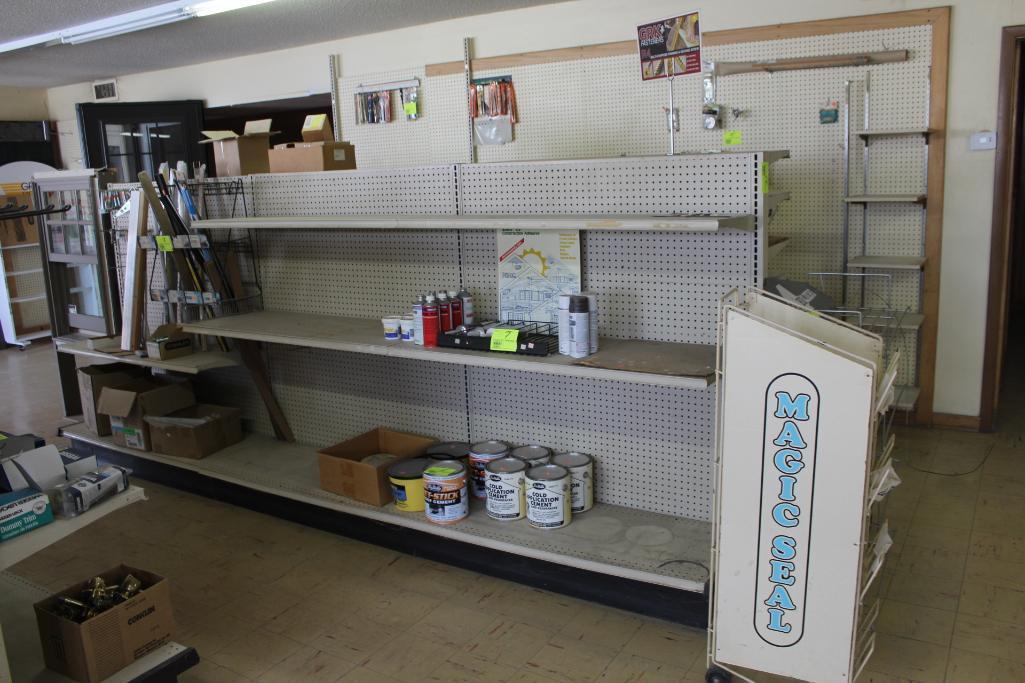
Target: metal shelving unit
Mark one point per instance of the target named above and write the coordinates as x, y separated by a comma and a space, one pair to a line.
191, 364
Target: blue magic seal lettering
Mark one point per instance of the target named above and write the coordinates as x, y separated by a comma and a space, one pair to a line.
784, 534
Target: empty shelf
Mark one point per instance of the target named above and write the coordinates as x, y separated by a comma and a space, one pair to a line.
894, 133
888, 262
886, 199
27, 298
192, 364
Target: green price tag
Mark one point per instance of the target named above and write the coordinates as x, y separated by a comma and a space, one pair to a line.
409, 108
732, 137
504, 340
164, 243
765, 176
3, 438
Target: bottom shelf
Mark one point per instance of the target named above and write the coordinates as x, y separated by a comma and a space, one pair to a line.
609, 539
905, 398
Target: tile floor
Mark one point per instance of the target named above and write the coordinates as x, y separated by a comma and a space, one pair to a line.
266, 600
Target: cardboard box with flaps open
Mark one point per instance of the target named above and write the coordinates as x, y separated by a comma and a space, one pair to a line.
244, 154
343, 472
318, 150
129, 404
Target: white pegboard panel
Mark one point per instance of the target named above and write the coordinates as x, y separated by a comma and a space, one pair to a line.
399, 143
360, 273
713, 184
446, 121
420, 190
331, 396
653, 445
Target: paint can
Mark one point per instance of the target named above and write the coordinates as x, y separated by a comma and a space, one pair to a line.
407, 328
450, 450
407, 483
533, 455
548, 497
480, 455
505, 486
581, 474
391, 327
445, 499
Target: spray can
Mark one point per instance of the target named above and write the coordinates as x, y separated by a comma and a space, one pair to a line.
579, 327
418, 321
444, 312
592, 305
456, 304
564, 324
430, 321
467, 300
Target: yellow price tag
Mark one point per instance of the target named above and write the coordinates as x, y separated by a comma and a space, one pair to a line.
409, 108
164, 243
504, 340
732, 137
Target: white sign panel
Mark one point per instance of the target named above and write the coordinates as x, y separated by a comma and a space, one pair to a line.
794, 456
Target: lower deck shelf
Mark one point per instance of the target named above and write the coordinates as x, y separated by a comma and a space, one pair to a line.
617, 541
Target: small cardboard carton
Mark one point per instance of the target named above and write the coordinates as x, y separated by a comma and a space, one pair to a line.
101, 646
168, 341
342, 472
129, 404
22, 511
317, 152
92, 379
244, 154
196, 431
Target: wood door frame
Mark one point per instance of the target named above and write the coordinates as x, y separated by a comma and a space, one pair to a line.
1012, 42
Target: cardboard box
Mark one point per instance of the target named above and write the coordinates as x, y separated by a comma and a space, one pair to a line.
23, 511
91, 381
244, 154
129, 404
342, 472
316, 128
196, 431
100, 647
168, 341
293, 157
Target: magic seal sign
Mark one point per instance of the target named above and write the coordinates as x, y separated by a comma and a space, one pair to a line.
789, 451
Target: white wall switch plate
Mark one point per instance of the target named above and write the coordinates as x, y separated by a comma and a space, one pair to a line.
985, 139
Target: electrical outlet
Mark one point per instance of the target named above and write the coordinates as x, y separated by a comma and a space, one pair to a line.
982, 140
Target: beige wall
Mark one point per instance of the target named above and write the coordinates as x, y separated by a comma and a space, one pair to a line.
23, 104
972, 106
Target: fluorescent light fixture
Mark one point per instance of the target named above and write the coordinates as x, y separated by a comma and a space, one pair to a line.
139, 20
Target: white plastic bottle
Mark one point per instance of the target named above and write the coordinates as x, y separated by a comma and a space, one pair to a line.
418, 321
564, 324
579, 327
468, 316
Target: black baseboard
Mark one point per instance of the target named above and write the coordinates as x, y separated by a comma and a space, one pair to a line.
683, 607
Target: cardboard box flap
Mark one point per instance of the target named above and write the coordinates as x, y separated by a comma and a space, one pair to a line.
217, 135
167, 399
120, 401
316, 128
258, 127
165, 331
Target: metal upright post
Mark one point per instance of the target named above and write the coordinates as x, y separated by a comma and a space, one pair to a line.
846, 223
672, 118
864, 182
467, 72
335, 112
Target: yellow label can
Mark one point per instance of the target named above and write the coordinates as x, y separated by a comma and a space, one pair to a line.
407, 483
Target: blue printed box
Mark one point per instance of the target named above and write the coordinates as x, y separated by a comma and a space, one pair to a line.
23, 511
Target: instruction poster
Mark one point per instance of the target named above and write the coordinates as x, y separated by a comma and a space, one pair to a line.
671, 47
534, 267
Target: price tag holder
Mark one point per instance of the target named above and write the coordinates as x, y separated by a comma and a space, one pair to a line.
504, 340
164, 243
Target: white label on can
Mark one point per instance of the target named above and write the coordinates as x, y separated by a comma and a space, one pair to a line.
581, 488
444, 503
548, 503
505, 495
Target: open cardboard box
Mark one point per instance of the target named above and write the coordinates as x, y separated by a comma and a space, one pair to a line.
244, 154
92, 379
196, 431
317, 152
168, 341
99, 647
129, 404
342, 472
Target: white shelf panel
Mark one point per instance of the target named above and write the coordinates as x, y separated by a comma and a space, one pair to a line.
885, 199
192, 364
894, 133
608, 539
888, 262
17, 549
905, 398
689, 366
552, 222
21, 636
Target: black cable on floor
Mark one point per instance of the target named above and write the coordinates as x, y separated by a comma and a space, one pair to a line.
975, 469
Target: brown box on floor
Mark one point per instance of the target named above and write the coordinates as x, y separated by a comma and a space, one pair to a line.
244, 154
128, 405
317, 152
196, 431
342, 472
91, 380
108, 642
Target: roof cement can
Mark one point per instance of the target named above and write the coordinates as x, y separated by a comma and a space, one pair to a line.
450, 450
581, 473
407, 483
445, 499
533, 455
505, 486
480, 455
548, 497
